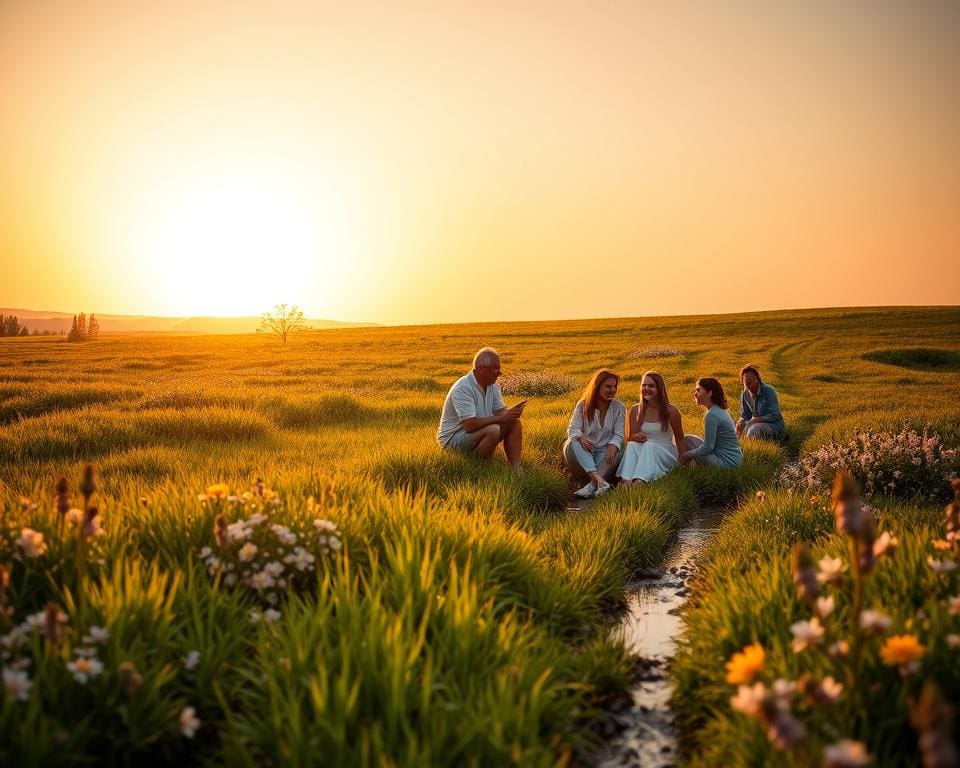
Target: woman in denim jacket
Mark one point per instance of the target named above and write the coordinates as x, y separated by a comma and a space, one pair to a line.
760, 415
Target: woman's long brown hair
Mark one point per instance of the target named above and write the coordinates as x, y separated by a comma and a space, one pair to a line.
663, 397
591, 395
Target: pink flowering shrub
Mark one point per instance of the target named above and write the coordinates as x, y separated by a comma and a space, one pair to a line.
905, 463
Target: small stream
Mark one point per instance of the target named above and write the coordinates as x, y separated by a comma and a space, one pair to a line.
641, 731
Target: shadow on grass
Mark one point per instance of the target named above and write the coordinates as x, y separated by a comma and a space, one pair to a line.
919, 359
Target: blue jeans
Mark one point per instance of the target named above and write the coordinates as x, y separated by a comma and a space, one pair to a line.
582, 462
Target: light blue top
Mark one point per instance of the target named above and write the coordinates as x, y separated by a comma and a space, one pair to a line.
719, 438
465, 400
764, 406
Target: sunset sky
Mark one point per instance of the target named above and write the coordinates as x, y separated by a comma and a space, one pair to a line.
446, 162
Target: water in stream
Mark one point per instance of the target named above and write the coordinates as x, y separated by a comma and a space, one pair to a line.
645, 736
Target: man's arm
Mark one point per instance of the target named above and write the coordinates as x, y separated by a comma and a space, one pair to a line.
772, 411
501, 416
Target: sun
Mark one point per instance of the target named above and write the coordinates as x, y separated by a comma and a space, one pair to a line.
236, 241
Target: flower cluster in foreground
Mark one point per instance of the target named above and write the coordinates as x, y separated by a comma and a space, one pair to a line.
256, 552
777, 704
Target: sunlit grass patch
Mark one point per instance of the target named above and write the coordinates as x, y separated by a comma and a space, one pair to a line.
47, 398
320, 411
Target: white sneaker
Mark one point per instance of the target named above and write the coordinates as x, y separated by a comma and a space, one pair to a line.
587, 491
603, 488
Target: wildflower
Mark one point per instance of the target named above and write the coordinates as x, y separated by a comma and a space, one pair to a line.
839, 649
806, 634
746, 664
96, 635
831, 570
820, 692
17, 684
847, 507
73, 516
273, 568
218, 490
205, 552
31, 542
271, 615
91, 523
761, 495
14, 638
904, 651
85, 669
932, 716
749, 699
846, 753
954, 605
62, 499
239, 531
804, 575
953, 642
34, 622
334, 543
885, 544
256, 519
191, 661
941, 567
85, 653
189, 722
247, 551
53, 622
874, 621
942, 544
221, 530
255, 617
300, 559
262, 580
130, 679
284, 534
825, 606
783, 690
324, 526
88, 485
784, 730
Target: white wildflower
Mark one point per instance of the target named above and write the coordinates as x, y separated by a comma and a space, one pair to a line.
31, 542
85, 669
192, 659
189, 722
831, 570
247, 552
271, 615
749, 698
941, 567
846, 753
17, 684
96, 635
825, 606
874, 621
806, 634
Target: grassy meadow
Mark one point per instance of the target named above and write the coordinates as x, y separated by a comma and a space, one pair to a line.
379, 602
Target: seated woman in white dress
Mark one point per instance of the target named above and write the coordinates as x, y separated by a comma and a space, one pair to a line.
654, 430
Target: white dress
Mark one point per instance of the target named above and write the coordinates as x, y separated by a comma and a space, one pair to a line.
650, 460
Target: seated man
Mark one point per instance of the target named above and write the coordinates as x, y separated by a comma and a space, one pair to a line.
475, 419
760, 415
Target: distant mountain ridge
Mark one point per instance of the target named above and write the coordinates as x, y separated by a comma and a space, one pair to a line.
60, 321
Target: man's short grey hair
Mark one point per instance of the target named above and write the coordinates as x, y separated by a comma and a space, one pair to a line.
485, 356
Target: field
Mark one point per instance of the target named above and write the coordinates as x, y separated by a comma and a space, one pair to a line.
412, 607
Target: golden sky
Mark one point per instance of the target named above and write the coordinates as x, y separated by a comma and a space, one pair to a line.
446, 162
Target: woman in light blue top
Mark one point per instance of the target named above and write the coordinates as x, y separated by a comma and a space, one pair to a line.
719, 446
595, 434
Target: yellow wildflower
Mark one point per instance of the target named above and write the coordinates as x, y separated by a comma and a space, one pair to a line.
743, 666
904, 651
218, 490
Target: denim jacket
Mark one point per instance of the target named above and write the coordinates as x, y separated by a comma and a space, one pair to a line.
767, 407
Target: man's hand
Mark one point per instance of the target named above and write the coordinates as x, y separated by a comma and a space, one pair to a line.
515, 411
611, 454
639, 437
585, 442
740, 428
755, 420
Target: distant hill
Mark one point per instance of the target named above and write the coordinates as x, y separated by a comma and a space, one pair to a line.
60, 321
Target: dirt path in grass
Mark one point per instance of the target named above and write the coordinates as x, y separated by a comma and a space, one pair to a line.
640, 730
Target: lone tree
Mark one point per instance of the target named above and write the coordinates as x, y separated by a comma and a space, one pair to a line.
283, 321
81, 329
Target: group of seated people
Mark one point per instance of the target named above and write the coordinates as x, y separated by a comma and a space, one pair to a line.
606, 442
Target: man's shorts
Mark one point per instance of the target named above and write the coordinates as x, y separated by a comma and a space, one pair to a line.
461, 441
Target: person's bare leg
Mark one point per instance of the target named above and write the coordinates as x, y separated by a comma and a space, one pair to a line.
513, 442
624, 483
487, 440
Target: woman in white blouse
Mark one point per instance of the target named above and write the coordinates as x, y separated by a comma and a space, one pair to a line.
595, 434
